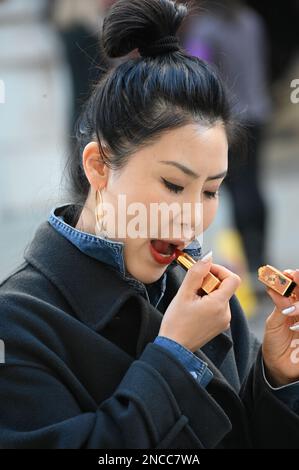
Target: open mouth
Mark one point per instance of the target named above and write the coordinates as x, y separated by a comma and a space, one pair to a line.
163, 247
163, 251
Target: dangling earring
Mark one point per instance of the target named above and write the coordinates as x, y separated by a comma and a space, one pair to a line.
101, 228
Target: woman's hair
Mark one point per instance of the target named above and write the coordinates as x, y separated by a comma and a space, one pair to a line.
135, 102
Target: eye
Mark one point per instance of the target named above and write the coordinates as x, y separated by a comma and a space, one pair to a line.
172, 187
211, 195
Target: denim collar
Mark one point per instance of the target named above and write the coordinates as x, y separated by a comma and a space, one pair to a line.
111, 252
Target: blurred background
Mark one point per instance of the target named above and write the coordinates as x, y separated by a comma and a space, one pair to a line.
49, 59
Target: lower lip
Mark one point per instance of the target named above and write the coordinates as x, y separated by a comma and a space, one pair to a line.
160, 258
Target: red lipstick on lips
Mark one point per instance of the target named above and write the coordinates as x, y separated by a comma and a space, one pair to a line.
163, 252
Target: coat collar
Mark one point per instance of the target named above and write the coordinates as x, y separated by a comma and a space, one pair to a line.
87, 285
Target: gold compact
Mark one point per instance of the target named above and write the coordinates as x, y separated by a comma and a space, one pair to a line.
210, 282
276, 280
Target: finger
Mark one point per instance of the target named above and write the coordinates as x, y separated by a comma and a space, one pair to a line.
289, 272
280, 301
284, 305
194, 277
290, 313
294, 275
227, 288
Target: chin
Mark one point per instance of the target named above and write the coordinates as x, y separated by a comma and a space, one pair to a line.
146, 275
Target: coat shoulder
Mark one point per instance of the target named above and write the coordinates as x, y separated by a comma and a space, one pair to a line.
30, 309
25, 288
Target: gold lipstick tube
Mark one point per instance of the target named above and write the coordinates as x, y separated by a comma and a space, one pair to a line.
210, 282
276, 280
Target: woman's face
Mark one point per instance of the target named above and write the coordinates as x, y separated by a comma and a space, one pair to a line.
185, 167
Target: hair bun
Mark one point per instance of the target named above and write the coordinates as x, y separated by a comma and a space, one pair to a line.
132, 24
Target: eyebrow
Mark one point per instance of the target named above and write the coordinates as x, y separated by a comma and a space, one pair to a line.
190, 172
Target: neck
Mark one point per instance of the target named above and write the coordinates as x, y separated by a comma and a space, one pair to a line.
87, 221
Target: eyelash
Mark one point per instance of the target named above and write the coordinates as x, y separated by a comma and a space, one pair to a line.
211, 195
174, 188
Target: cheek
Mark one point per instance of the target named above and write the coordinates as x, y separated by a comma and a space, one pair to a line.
209, 212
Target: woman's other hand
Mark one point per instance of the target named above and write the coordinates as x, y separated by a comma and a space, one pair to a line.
281, 344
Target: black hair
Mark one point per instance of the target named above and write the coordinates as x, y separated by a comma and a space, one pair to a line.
143, 97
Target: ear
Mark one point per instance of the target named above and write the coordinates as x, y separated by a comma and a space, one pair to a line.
96, 170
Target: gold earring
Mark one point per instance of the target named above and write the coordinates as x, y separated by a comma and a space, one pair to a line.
100, 226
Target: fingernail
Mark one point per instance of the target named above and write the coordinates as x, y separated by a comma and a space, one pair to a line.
289, 271
295, 327
289, 310
207, 257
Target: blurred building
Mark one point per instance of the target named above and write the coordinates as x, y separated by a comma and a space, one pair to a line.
34, 117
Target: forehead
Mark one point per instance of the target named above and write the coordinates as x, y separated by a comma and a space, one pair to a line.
204, 150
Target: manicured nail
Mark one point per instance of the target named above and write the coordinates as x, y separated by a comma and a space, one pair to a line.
295, 327
289, 271
207, 258
289, 310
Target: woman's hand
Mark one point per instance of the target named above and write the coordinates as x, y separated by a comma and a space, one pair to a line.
192, 320
280, 345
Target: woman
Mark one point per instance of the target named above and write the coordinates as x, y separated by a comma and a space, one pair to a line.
108, 345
